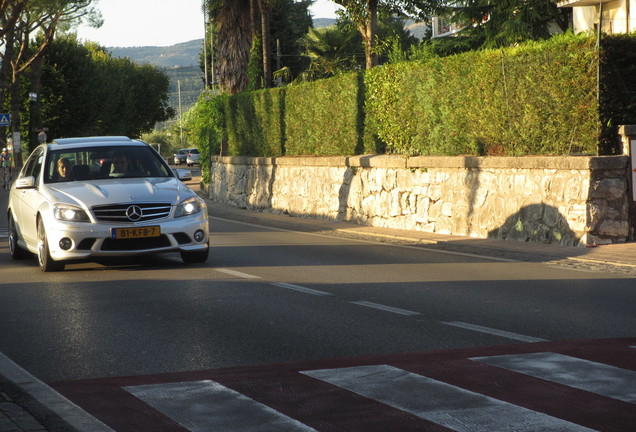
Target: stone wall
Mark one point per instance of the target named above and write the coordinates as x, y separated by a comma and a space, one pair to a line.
574, 200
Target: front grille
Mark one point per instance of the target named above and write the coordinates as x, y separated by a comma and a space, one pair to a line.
141, 213
135, 244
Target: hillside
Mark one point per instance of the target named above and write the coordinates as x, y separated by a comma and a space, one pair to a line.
179, 55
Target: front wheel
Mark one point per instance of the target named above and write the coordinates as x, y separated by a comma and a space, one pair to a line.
47, 264
196, 257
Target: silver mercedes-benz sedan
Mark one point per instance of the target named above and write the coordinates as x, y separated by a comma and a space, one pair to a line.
84, 198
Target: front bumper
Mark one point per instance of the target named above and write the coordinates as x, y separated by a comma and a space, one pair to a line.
88, 240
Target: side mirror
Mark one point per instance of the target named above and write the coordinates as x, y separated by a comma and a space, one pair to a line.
25, 182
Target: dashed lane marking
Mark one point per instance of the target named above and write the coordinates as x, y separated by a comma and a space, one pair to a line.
237, 274
492, 331
301, 289
385, 308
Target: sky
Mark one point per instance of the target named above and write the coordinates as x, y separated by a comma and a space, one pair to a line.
130, 23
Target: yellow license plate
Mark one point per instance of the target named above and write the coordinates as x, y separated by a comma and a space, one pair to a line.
136, 232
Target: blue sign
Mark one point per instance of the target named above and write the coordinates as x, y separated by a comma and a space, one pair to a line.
5, 119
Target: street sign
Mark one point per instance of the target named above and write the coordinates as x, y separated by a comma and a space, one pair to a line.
5, 119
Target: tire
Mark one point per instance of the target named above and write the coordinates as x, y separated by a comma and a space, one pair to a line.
197, 257
17, 253
47, 264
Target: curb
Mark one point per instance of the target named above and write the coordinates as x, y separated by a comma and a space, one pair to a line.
48, 400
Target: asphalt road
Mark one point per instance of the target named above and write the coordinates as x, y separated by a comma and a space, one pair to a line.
270, 295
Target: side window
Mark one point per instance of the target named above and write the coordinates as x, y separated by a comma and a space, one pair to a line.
37, 169
34, 165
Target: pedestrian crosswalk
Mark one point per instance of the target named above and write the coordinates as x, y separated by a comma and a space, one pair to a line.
582, 386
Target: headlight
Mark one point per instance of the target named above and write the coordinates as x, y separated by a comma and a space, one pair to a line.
189, 207
67, 213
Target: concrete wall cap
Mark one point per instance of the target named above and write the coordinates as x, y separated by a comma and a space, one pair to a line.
415, 162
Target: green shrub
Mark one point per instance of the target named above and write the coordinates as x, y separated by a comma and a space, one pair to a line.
539, 98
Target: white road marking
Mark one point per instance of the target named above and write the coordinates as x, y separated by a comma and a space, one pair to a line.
301, 289
439, 402
598, 378
237, 274
492, 331
385, 308
202, 406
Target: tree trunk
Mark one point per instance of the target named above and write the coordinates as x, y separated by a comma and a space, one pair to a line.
369, 35
234, 45
267, 64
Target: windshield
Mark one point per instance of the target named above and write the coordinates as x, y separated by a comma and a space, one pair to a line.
93, 163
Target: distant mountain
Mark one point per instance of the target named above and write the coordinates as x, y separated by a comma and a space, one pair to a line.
179, 55
323, 22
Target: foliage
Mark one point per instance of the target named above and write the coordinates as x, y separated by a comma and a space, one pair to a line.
501, 23
205, 125
85, 91
289, 22
538, 98
325, 117
363, 14
535, 99
27, 28
254, 123
618, 87
330, 50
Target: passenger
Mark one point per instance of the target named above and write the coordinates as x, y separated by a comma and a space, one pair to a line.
64, 170
121, 164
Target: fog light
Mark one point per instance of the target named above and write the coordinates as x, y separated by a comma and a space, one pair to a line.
66, 243
199, 236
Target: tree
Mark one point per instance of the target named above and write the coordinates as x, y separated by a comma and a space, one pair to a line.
331, 50
28, 27
85, 91
499, 23
232, 19
364, 14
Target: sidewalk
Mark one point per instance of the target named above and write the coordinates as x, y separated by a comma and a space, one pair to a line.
18, 410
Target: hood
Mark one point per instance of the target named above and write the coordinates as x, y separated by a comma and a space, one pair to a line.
119, 191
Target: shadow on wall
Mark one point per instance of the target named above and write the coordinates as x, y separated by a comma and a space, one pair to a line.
538, 223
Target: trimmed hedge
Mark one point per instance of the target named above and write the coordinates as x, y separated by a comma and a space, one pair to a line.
540, 98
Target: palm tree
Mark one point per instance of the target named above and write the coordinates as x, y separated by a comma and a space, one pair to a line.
330, 51
232, 18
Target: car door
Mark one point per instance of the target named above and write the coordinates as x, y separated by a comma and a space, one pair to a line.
30, 198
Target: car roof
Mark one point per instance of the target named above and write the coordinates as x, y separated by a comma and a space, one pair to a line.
91, 139
96, 140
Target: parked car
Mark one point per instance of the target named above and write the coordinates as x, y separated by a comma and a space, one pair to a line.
183, 174
193, 157
119, 199
180, 156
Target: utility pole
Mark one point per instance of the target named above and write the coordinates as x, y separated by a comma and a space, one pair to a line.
180, 114
205, 44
